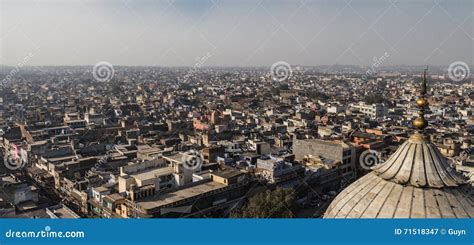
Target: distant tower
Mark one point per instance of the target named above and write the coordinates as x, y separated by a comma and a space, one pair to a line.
415, 182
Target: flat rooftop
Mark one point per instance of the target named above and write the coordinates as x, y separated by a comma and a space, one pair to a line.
151, 174
178, 157
168, 198
63, 213
228, 173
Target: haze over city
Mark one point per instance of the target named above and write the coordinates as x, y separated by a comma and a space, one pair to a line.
235, 33
355, 109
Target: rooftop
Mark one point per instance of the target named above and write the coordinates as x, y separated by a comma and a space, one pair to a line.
228, 173
150, 174
61, 212
168, 198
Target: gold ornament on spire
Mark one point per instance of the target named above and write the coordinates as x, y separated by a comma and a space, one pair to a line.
420, 123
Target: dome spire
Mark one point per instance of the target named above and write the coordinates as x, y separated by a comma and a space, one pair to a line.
416, 181
420, 123
418, 162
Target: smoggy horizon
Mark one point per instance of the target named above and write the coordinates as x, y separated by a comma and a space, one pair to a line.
226, 33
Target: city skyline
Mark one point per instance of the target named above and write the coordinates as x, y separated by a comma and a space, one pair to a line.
184, 121
235, 33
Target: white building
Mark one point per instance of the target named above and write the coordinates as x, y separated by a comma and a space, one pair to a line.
373, 111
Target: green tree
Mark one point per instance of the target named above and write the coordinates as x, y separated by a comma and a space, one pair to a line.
269, 204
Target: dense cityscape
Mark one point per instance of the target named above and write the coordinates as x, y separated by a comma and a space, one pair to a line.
236, 122
282, 141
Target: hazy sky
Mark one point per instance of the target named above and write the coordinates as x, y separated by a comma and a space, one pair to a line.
236, 32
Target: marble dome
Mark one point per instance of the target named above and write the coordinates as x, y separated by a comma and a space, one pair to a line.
415, 182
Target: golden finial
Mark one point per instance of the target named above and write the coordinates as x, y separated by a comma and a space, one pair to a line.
421, 123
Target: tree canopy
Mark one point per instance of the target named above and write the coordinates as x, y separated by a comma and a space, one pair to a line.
269, 204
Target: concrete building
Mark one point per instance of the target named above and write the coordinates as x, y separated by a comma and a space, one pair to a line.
373, 111
61, 212
276, 170
342, 154
155, 173
219, 192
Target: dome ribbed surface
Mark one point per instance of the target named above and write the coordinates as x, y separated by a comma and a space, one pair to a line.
419, 163
415, 182
374, 197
